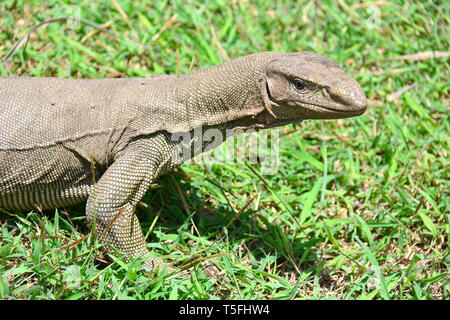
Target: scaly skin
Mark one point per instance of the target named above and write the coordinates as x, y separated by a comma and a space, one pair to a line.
53, 130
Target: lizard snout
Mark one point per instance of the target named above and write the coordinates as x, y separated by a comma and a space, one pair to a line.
349, 94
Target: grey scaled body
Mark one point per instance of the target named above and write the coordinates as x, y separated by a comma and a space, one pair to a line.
56, 132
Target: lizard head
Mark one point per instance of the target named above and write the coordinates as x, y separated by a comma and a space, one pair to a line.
304, 85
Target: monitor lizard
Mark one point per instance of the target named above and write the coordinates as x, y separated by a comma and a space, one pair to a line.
105, 141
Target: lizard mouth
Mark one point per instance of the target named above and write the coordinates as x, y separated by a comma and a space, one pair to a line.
340, 111
326, 109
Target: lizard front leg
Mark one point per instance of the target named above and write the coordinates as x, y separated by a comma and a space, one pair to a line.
110, 206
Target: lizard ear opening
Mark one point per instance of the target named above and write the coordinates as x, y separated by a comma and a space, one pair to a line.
266, 88
269, 102
278, 89
269, 96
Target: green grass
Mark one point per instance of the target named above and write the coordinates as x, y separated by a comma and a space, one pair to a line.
358, 209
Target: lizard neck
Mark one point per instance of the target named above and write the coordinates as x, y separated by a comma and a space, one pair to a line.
229, 95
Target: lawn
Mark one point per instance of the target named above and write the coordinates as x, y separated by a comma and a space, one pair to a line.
356, 208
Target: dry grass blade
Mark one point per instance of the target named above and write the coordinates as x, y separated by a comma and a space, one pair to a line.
93, 172
196, 260
125, 17
177, 65
247, 203
197, 56
102, 27
347, 9
183, 201
191, 64
338, 136
422, 56
25, 38
166, 26
222, 52
9, 213
398, 93
42, 237
73, 243
121, 12
117, 215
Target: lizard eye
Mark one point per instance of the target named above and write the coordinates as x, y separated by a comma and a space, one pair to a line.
299, 85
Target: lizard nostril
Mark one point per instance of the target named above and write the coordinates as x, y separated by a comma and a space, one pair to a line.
337, 95
349, 94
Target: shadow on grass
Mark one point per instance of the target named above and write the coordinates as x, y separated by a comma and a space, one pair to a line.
251, 230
